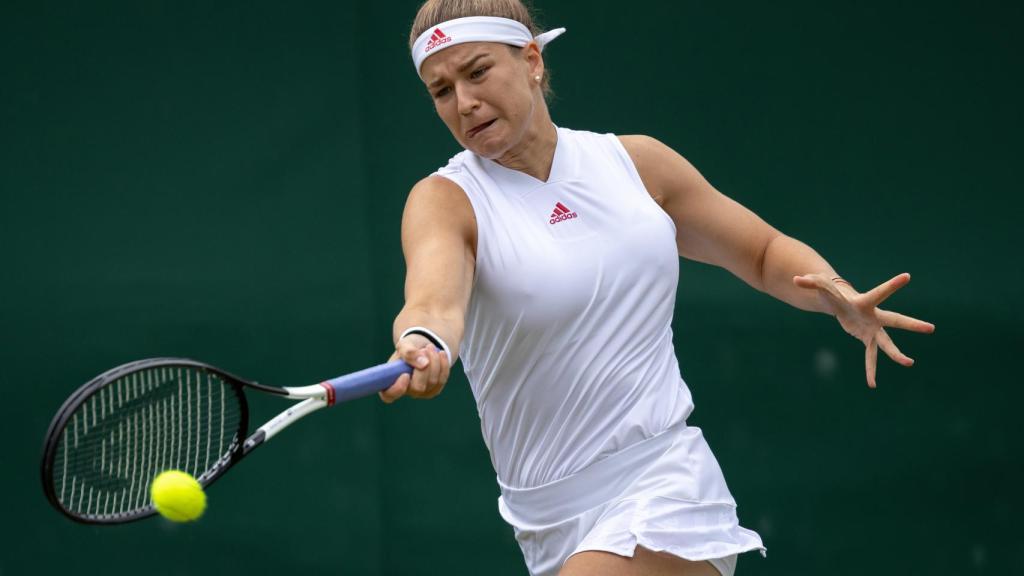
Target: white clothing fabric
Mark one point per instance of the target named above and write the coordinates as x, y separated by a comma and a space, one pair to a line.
476, 29
568, 349
665, 493
568, 338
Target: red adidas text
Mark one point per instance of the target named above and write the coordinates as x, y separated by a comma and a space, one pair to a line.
561, 213
436, 39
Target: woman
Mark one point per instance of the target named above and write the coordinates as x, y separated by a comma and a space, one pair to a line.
547, 259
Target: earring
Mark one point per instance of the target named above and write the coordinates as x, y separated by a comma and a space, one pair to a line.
537, 78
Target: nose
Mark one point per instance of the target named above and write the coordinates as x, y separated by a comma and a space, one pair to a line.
466, 98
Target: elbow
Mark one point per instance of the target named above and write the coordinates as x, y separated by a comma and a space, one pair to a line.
761, 263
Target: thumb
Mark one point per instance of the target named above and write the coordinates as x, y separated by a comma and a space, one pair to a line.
805, 281
413, 355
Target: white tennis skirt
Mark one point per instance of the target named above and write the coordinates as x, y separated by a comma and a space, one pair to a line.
666, 494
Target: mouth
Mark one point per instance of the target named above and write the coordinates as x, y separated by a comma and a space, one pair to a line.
479, 128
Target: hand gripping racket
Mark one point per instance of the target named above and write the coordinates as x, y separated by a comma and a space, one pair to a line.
113, 435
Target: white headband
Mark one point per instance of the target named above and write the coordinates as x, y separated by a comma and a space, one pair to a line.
476, 29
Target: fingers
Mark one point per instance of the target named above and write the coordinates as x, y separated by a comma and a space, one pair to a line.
396, 390
887, 346
425, 378
438, 375
446, 369
430, 371
413, 350
871, 361
895, 320
883, 341
879, 293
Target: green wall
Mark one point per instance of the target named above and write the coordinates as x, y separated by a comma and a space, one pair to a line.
225, 181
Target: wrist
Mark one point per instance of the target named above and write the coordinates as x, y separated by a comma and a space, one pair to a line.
434, 339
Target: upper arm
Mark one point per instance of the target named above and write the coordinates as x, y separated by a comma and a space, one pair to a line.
439, 243
710, 227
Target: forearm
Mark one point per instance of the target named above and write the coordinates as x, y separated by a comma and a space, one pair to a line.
448, 325
786, 257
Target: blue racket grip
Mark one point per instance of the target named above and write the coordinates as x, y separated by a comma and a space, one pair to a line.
366, 382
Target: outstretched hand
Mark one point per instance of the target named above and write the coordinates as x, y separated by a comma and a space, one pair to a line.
861, 317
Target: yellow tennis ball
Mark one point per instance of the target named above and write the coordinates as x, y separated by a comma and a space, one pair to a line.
178, 496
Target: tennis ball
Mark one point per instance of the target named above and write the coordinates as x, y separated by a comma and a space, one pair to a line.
178, 496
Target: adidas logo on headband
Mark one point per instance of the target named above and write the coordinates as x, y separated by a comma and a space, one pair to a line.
476, 29
436, 39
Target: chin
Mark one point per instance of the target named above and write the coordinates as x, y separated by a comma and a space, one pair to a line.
491, 148
488, 153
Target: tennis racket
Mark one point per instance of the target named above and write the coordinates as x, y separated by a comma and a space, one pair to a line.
113, 435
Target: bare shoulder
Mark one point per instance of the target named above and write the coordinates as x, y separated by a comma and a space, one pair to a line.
436, 189
645, 151
641, 145
437, 205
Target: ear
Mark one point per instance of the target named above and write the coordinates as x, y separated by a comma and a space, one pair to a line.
534, 60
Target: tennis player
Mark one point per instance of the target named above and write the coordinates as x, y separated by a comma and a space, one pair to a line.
547, 259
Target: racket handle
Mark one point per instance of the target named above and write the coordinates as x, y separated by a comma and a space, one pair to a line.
366, 382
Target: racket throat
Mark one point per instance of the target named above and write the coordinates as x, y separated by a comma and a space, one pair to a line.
282, 421
253, 441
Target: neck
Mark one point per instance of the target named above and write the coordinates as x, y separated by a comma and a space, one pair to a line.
535, 152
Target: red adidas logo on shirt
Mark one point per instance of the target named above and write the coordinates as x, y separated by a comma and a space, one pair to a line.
561, 213
436, 39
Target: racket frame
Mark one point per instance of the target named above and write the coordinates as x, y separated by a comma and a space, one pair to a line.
54, 433
312, 398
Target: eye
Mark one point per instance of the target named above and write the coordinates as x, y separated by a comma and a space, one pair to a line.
442, 92
478, 72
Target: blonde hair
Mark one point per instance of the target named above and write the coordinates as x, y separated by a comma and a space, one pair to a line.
434, 12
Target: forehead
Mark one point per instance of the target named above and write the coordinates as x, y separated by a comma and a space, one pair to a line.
448, 61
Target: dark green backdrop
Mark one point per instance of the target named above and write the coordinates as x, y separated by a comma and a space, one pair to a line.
225, 180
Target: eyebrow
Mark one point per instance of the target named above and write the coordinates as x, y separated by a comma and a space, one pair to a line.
461, 67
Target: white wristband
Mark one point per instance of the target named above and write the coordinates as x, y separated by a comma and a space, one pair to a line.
429, 335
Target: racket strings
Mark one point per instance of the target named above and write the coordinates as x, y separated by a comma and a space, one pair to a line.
133, 428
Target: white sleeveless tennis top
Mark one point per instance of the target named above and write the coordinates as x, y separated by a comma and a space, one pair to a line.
568, 340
